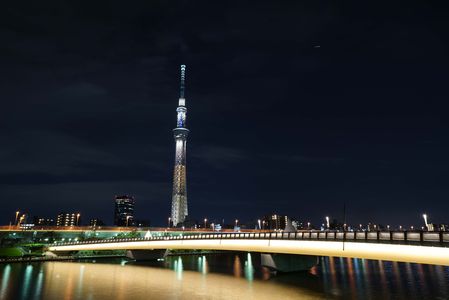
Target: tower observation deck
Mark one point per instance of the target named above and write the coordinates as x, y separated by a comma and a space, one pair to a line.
179, 209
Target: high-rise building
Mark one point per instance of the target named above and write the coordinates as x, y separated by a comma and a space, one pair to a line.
68, 219
124, 211
179, 209
275, 222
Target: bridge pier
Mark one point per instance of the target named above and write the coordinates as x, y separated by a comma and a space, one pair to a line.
55, 254
288, 262
140, 255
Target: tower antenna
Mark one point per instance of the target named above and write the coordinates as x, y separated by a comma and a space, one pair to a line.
179, 209
183, 79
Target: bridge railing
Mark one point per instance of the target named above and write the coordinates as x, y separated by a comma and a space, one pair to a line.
440, 239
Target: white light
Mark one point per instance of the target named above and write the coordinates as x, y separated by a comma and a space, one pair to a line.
389, 252
425, 221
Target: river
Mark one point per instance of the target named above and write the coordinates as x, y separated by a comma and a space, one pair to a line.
221, 276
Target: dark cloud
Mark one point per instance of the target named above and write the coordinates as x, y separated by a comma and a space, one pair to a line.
88, 94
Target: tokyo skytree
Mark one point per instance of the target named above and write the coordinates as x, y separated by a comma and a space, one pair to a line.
179, 209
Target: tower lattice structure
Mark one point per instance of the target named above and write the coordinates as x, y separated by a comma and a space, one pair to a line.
179, 209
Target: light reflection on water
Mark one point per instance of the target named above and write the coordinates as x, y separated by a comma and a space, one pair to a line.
225, 276
103, 281
249, 269
26, 282
5, 280
39, 281
369, 279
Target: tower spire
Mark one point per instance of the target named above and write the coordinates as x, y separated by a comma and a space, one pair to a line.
182, 86
179, 209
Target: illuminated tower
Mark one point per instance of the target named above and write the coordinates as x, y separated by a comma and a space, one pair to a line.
179, 209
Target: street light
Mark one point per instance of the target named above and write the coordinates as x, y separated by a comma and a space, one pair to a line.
78, 219
258, 222
327, 222
205, 223
127, 220
425, 221
236, 222
308, 225
17, 216
21, 219
169, 221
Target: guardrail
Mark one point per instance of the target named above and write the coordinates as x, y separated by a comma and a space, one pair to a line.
30, 259
16, 228
440, 239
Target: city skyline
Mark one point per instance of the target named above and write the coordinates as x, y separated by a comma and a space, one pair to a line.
291, 117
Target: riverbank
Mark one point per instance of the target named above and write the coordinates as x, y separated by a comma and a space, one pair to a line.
31, 259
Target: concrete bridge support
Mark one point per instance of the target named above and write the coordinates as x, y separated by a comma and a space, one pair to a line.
288, 262
140, 255
55, 254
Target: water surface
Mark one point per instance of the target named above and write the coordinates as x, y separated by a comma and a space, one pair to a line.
222, 276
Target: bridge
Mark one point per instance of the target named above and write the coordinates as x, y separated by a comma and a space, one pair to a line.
401, 246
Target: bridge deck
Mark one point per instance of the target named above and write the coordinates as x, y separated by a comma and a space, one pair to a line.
430, 248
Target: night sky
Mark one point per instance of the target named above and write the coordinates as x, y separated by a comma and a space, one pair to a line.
294, 107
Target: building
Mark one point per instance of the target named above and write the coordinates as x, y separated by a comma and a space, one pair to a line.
124, 211
42, 221
179, 209
274, 222
68, 219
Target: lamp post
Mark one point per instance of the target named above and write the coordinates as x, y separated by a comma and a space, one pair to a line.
236, 222
327, 222
21, 219
263, 224
17, 216
205, 223
127, 220
78, 219
308, 225
258, 222
169, 221
425, 221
